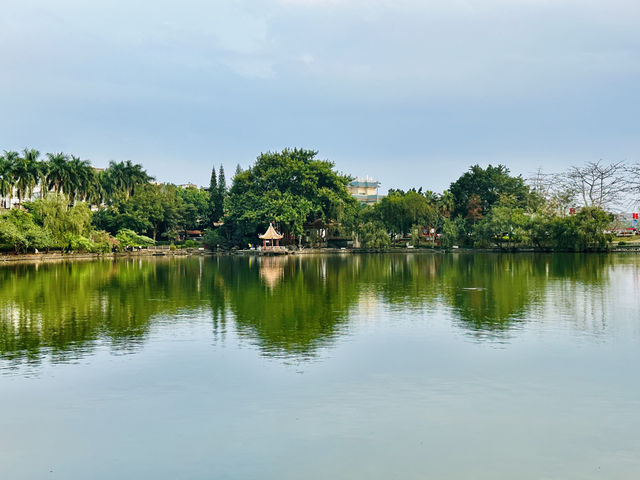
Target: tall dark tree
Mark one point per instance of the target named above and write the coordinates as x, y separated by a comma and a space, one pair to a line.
213, 195
222, 192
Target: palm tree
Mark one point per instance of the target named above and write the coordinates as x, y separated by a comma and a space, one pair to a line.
6, 176
96, 194
80, 178
43, 171
26, 173
135, 176
58, 175
124, 177
446, 203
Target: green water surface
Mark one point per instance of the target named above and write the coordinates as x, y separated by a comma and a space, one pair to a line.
389, 366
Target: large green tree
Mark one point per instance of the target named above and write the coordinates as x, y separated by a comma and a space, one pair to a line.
477, 190
290, 188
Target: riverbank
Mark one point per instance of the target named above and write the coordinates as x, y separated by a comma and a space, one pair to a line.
60, 256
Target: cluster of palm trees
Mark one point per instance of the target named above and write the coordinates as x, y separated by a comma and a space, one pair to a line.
20, 173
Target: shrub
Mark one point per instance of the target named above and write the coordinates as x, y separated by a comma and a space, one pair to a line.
373, 235
215, 238
129, 238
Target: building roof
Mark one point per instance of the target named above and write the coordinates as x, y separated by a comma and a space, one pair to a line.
364, 183
271, 234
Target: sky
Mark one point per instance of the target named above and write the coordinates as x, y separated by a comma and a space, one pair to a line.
409, 92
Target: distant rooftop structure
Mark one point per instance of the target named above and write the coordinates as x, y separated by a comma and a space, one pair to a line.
365, 190
188, 185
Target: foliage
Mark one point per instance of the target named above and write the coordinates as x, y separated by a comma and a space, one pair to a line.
505, 223
581, 232
215, 210
450, 232
153, 209
214, 238
477, 190
193, 208
20, 233
54, 214
289, 188
129, 238
373, 235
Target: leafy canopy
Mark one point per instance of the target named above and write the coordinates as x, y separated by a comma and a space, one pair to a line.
289, 188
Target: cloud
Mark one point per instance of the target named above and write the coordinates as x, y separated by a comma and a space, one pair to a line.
356, 78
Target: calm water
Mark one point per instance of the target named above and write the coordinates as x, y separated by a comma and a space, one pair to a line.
338, 367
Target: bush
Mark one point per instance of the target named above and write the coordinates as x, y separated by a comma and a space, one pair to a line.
102, 241
449, 234
215, 238
373, 235
78, 243
129, 238
19, 232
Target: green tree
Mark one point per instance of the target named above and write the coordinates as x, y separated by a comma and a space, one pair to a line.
80, 182
488, 185
214, 215
54, 214
583, 231
26, 173
290, 188
59, 172
373, 235
504, 223
400, 211
194, 207
222, 193
6, 177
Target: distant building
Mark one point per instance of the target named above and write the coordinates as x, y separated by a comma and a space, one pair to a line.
188, 185
365, 190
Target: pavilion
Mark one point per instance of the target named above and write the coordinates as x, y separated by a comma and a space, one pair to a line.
270, 235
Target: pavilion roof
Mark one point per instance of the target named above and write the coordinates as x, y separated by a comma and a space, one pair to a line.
271, 234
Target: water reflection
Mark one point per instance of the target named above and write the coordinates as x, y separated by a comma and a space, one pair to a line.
288, 305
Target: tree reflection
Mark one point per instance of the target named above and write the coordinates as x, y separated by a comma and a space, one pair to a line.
284, 305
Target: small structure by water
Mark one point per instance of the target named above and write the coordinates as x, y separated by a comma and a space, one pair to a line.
270, 236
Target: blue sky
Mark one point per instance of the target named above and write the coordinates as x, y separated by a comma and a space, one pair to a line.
409, 92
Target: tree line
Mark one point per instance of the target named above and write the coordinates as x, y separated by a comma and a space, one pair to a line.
83, 208
20, 173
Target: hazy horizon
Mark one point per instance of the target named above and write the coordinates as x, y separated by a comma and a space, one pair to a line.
409, 92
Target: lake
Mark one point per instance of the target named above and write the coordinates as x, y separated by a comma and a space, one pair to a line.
407, 366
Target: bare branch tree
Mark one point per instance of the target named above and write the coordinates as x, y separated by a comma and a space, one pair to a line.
598, 184
633, 183
553, 188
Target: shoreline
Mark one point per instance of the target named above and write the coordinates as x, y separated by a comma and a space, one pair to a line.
61, 257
